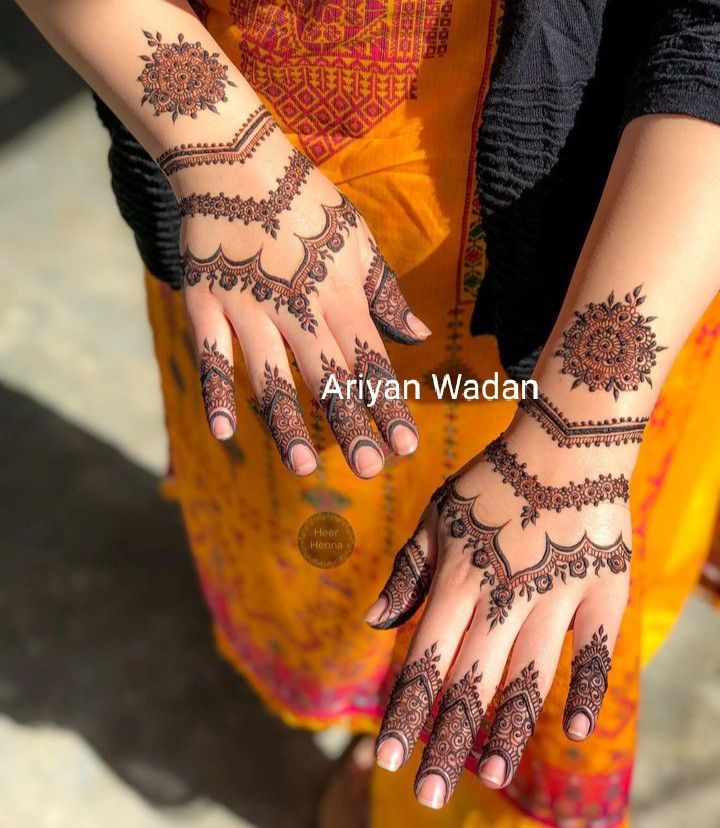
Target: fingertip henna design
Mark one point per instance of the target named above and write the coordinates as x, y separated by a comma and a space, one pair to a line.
407, 586
388, 308
519, 707
182, 78
456, 727
411, 701
281, 410
218, 385
588, 680
610, 345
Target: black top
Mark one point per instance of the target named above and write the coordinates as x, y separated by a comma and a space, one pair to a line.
568, 76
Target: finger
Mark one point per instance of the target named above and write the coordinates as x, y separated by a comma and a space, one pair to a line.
409, 581
269, 372
530, 673
213, 340
595, 631
326, 374
388, 308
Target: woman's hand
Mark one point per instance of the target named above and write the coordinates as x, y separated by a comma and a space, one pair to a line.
274, 253
510, 553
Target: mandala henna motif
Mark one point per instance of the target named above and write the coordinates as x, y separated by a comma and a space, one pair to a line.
588, 680
483, 542
291, 293
182, 78
376, 371
243, 145
514, 723
388, 308
411, 701
247, 210
407, 586
605, 488
280, 408
567, 434
610, 345
345, 413
456, 727
218, 385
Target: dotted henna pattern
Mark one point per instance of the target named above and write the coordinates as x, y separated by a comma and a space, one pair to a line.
218, 385
388, 308
514, 723
281, 410
456, 727
411, 701
407, 586
588, 680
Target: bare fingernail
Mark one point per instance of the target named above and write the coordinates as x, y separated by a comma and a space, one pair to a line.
432, 792
578, 727
493, 771
377, 611
404, 440
221, 428
419, 328
302, 460
368, 461
390, 755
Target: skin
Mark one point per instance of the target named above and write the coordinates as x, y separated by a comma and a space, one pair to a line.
111, 45
656, 226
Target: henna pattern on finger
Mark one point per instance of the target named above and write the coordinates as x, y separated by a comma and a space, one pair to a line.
567, 434
247, 210
456, 727
407, 586
182, 78
281, 410
238, 150
218, 385
388, 308
411, 701
483, 542
610, 345
605, 488
375, 369
514, 723
588, 680
292, 293
345, 413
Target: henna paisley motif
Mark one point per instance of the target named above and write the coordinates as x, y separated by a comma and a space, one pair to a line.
407, 586
218, 385
388, 308
458, 720
280, 408
411, 701
514, 723
588, 680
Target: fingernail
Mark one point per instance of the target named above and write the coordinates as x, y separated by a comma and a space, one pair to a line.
221, 428
419, 328
377, 611
493, 771
390, 755
302, 460
368, 461
579, 727
432, 792
404, 440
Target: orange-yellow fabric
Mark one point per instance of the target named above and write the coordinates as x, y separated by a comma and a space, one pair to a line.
385, 96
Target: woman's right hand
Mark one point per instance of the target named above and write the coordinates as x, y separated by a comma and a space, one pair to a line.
275, 254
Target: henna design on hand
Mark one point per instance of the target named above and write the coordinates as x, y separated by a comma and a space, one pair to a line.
376, 370
281, 410
291, 293
218, 385
182, 78
346, 415
605, 488
407, 586
388, 308
483, 542
456, 727
567, 434
247, 210
514, 723
238, 150
588, 680
411, 701
610, 345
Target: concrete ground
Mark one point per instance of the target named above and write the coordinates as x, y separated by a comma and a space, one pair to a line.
115, 710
